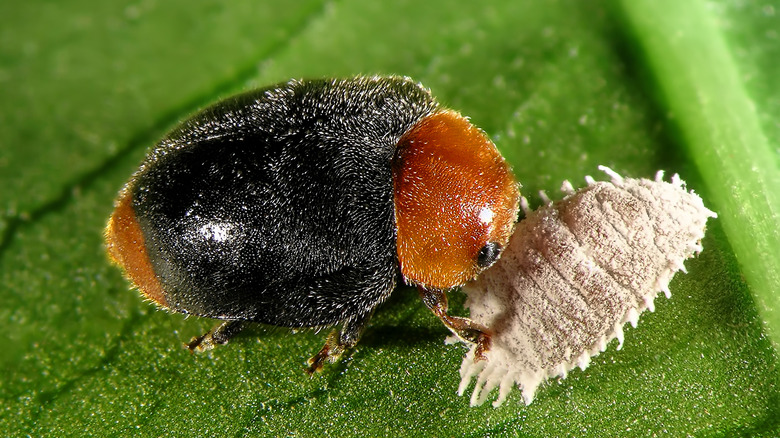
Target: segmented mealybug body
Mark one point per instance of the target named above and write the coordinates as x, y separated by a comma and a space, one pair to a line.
575, 271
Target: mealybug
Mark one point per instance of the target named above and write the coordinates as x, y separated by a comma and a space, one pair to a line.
575, 271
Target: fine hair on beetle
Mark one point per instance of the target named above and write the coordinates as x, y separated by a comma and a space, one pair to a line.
303, 203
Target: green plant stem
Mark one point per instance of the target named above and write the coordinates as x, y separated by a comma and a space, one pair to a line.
719, 125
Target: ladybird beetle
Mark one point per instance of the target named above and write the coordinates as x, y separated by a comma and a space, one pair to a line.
305, 203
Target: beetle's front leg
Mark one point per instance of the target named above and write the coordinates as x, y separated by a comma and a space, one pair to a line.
465, 329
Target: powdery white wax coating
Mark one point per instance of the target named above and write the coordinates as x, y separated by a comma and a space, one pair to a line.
574, 273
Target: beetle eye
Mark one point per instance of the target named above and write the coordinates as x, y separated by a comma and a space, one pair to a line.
488, 254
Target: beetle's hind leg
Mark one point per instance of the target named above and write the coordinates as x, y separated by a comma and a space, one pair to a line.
338, 342
465, 329
219, 335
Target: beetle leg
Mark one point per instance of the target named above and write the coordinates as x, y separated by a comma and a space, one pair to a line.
338, 342
220, 334
465, 329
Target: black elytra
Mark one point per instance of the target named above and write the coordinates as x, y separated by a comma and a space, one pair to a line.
283, 212
275, 206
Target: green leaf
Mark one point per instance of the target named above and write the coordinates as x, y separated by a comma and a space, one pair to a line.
561, 86
717, 119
